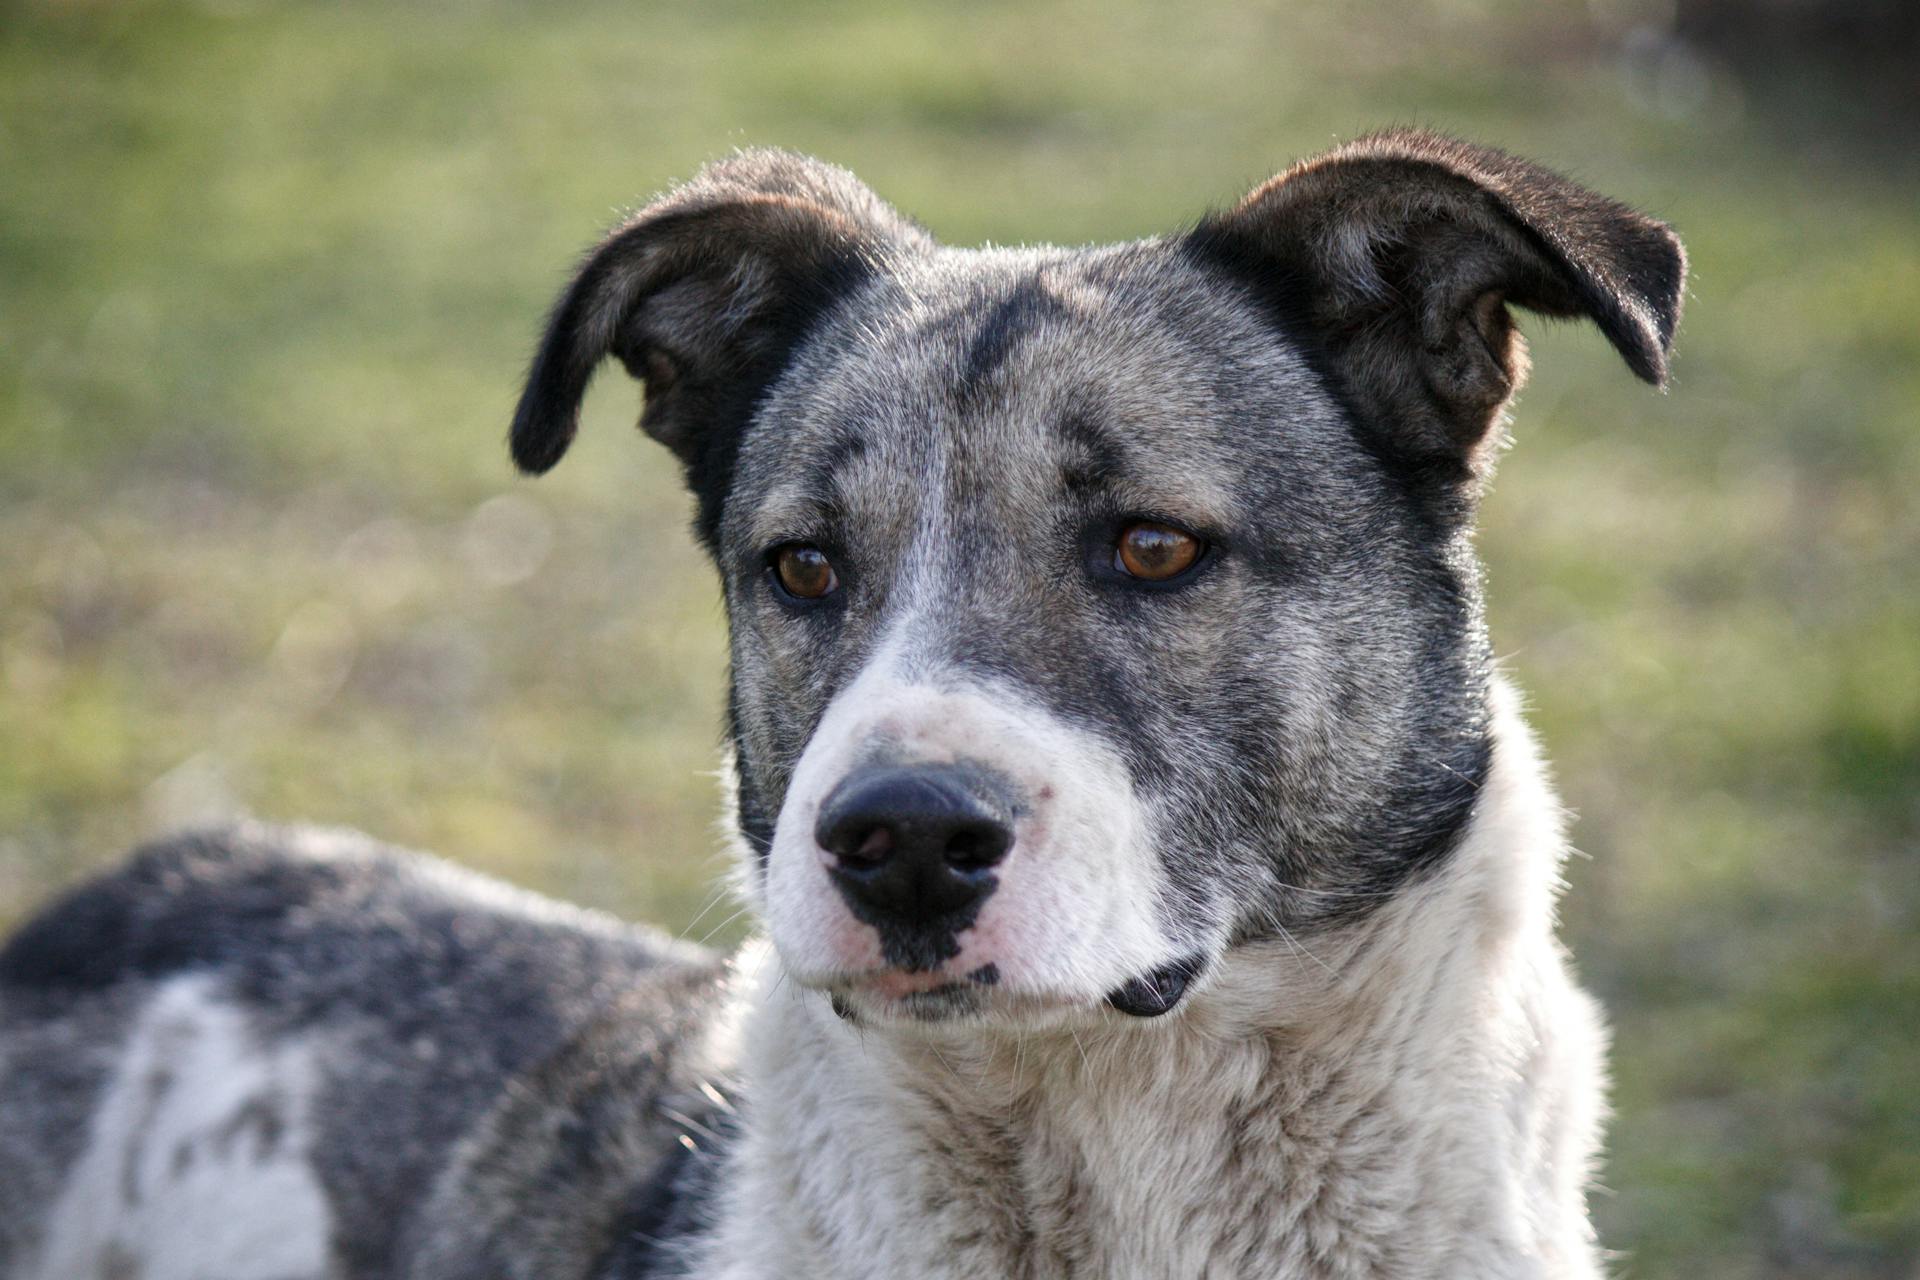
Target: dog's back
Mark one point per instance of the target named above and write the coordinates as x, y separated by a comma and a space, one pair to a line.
271, 1052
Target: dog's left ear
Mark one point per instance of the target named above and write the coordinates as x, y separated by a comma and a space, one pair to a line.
1400, 252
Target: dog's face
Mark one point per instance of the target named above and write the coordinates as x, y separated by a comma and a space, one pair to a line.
1093, 610
1104, 548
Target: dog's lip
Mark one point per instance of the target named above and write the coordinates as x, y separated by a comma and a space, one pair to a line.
899, 984
954, 1002
937, 994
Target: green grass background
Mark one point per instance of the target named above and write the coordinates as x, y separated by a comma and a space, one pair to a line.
268, 275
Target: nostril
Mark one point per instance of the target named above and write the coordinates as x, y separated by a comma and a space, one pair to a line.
868, 848
976, 848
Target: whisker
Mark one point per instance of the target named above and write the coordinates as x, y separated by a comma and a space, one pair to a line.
1084, 1062
1287, 936
1456, 773
723, 924
712, 902
1334, 893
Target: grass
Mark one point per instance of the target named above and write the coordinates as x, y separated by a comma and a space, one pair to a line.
268, 275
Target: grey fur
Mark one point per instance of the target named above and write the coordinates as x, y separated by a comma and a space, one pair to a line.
1293, 752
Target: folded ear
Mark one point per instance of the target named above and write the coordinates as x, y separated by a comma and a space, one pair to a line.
1398, 255
703, 295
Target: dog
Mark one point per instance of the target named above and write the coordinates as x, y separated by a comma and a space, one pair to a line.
1157, 877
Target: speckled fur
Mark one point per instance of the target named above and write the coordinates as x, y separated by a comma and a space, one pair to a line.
1293, 775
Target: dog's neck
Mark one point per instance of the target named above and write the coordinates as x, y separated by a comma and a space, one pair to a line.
1406, 1097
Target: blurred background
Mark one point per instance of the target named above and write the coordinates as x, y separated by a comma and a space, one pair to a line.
269, 274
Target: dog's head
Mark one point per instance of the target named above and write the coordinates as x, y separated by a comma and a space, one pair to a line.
1094, 610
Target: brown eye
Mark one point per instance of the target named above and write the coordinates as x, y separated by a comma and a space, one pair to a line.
804, 571
1155, 552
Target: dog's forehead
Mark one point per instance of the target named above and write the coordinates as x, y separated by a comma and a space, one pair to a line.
1010, 375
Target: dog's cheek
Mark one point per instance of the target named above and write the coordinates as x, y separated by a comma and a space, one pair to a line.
1250, 723
1076, 910
815, 935
781, 681
809, 923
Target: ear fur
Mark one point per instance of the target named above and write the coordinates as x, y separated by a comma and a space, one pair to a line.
1399, 254
703, 295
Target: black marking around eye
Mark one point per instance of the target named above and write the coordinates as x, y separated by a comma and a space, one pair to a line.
1011, 321
755, 819
822, 472
847, 448
1092, 459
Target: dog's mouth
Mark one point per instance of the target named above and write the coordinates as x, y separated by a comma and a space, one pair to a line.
889, 994
915, 995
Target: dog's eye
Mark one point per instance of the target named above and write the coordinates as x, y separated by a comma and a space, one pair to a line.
1155, 552
804, 571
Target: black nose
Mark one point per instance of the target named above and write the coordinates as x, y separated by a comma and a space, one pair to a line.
915, 846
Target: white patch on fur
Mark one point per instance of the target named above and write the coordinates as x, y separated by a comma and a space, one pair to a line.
197, 1165
1073, 915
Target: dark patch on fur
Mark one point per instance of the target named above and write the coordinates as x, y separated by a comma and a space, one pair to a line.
259, 1119
725, 405
753, 818
116, 1263
847, 448
1431, 485
157, 915
1091, 459
673, 1204
587, 1147
920, 948
154, 1089
1009, 322
61, 1054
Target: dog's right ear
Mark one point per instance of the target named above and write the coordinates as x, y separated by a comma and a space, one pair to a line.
703, 295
